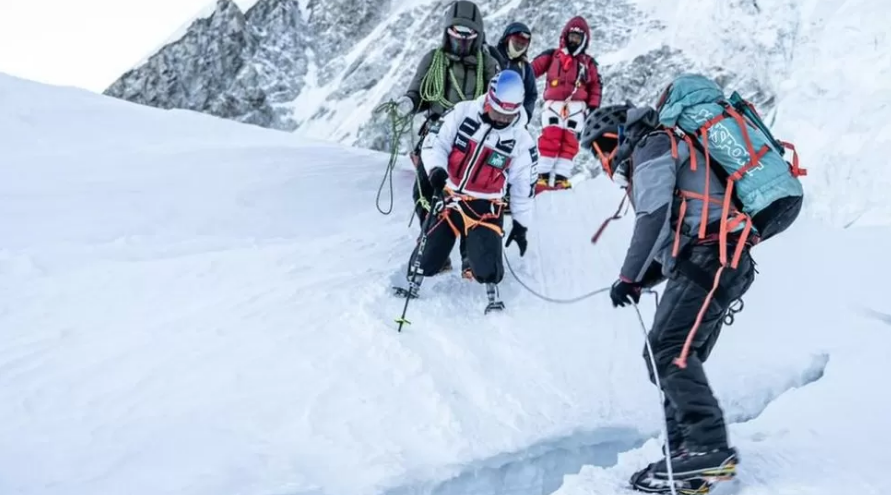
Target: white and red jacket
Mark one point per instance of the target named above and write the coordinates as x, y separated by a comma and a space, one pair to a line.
481, 160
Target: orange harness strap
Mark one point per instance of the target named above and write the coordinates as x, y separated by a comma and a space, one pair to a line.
469, 222
605, 160
681, 360
448, 219
797, 171
726, 224
617, 215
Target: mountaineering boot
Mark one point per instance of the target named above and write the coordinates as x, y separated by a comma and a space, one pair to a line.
544, 183
561, 182
495, 303
694, 472
541, 184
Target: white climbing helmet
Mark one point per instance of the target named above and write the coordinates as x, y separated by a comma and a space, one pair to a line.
506, 93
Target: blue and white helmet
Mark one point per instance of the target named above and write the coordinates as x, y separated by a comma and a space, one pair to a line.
506, 93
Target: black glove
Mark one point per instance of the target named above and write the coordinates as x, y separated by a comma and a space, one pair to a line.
517, 233
623, 292
438, 178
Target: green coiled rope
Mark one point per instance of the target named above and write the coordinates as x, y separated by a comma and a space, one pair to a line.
432, 90
433, 83
398, 126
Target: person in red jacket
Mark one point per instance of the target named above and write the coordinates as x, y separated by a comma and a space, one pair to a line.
572, 89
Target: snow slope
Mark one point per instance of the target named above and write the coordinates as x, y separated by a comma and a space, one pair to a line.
195, 306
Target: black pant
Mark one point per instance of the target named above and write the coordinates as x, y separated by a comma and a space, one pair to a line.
693, 415
483, 249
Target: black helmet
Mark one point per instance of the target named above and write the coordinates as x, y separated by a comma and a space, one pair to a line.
601, 133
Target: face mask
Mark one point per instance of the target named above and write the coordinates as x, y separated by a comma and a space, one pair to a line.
574, 41
517, 45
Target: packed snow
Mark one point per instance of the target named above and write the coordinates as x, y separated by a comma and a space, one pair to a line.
195, 306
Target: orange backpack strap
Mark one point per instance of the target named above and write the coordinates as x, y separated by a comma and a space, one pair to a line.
677, 228
796, 170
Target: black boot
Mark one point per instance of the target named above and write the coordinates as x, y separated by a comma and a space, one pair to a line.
694, 472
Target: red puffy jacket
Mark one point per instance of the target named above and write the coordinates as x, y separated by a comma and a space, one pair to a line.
570, 75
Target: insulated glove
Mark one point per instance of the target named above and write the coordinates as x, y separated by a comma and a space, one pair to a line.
623, 292
438, 177
517, 233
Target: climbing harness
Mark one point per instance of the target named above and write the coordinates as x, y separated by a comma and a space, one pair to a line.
735, 307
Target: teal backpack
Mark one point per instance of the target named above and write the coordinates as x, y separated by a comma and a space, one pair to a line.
763, 193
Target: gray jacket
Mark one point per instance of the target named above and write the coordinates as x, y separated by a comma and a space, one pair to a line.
655, 179
463, 69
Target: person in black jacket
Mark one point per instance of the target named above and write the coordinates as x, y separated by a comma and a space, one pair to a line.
511, 53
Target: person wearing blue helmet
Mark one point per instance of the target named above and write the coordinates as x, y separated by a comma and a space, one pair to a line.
481, 147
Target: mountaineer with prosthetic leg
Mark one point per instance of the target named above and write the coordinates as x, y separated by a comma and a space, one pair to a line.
457, 71
481, 147
707, 182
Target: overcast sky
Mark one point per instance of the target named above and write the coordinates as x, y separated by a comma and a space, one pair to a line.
85, 43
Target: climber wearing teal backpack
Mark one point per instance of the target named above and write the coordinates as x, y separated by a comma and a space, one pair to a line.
707, 181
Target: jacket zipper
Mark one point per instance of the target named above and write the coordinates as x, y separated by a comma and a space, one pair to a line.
473, 159
476, 174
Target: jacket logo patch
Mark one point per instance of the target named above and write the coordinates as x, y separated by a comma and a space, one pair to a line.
497, 160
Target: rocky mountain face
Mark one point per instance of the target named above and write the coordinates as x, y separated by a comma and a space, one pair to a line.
320, 67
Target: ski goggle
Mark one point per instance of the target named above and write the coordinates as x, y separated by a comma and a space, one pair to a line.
575, 37
519, 40
461, 39
505, 107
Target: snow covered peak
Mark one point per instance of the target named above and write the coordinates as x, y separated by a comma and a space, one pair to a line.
323, 78
319, 68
